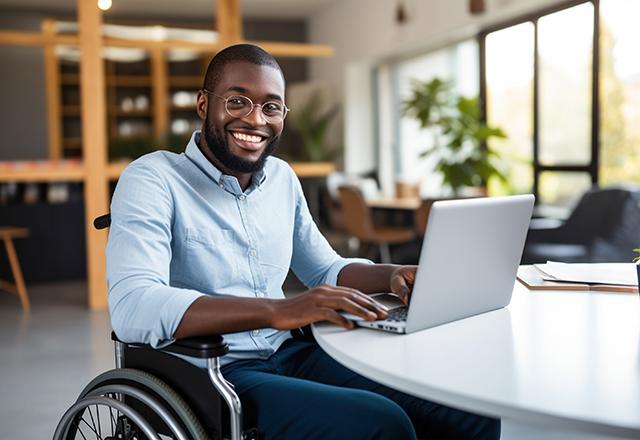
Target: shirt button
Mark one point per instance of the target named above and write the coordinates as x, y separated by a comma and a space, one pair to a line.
255, 332
221, 185
242, 197
253, 252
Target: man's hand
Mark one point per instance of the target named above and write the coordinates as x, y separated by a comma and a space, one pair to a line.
322, 303
402, 280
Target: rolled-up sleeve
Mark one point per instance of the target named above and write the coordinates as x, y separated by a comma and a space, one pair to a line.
143, 306
314, 261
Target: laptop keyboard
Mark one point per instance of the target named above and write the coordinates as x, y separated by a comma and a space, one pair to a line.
398, 314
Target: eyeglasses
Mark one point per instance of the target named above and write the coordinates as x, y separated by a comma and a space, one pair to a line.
240, 106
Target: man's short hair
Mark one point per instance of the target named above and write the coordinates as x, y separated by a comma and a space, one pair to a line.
238, 52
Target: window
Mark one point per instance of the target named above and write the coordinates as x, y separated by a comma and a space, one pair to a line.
539, 88
566, 93
509, 77
619, 91
458, 64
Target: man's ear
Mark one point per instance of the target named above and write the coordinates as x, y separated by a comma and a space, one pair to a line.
201, 104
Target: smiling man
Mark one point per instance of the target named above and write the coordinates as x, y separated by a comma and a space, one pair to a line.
201, 243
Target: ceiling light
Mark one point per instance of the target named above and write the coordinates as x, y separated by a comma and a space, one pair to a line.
104, 5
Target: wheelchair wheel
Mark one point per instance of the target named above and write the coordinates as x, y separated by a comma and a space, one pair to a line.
128, 404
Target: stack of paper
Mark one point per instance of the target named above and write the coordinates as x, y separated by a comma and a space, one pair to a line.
616, 277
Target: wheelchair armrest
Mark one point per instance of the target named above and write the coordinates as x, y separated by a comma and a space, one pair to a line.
202, 347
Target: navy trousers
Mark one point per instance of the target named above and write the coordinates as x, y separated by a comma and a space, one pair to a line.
302, 393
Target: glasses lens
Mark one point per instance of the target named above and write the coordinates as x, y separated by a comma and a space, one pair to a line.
239, 106
273, 110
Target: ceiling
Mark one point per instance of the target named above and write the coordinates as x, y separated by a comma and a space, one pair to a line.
183, 9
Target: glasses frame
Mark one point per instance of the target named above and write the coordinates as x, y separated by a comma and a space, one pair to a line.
253, 106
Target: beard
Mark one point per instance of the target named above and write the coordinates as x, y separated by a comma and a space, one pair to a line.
218, 145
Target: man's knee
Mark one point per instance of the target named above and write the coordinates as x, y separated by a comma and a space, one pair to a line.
376, 417
488, 428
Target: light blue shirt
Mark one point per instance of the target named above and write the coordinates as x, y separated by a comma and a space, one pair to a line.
181, 229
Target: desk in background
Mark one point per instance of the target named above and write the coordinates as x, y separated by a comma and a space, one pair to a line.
552, 360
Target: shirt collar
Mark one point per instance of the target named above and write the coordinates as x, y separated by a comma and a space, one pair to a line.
193, 152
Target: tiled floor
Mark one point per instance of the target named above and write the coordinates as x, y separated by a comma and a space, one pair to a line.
48, 355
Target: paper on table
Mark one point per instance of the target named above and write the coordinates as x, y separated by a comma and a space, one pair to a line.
623, 274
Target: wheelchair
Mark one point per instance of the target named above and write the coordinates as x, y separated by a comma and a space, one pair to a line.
154, 395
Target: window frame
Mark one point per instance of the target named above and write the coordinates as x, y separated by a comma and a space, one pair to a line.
592, 168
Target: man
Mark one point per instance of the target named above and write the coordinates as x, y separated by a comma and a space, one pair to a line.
200, 243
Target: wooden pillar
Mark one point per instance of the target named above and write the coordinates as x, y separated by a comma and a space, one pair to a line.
94, 146
159, 91
229, 21
52, 85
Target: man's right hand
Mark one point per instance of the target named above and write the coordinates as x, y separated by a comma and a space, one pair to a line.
323, 303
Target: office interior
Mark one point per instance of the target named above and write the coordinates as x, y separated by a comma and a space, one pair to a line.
86, 87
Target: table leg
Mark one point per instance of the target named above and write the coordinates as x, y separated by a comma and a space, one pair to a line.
17, 274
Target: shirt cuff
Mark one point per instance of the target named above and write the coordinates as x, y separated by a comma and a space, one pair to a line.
334, 271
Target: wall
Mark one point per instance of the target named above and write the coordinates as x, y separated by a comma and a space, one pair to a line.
23, 125
364, 32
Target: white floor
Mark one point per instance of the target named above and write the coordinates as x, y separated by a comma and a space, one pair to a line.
48, 355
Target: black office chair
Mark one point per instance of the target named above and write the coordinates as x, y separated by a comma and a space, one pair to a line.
600, 228
153, 392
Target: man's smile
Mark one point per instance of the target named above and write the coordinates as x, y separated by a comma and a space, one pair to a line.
245, 140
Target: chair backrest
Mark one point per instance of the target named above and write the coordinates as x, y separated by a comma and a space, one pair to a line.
597, 213
357, 215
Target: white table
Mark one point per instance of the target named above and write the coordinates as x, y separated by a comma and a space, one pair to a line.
562, 360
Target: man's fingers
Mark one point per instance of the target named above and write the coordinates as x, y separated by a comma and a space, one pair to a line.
334, 317
364, 300
349, 306
401, 289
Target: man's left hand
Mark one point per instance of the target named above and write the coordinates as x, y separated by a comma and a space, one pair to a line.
402, 280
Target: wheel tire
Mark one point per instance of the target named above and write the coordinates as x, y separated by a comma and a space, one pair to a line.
165, 394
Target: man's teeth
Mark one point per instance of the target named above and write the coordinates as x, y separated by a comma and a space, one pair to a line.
247, 137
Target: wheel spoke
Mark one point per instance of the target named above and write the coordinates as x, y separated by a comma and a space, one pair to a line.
77, 426
93, 423
92, 428
99, 424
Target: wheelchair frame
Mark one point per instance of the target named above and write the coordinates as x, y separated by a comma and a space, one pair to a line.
160, 365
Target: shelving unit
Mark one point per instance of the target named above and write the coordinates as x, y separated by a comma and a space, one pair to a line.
151, 99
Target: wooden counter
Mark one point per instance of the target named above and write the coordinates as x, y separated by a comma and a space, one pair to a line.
70, 170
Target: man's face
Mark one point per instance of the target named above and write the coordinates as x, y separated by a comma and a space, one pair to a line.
243, 144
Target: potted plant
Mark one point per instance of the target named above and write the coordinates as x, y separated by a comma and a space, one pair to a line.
459, 134
312, 120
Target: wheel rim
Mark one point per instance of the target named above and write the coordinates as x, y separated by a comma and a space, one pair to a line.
103, 418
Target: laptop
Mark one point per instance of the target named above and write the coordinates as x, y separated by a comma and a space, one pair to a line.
468, 263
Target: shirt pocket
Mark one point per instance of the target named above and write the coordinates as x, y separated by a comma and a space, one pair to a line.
211, 264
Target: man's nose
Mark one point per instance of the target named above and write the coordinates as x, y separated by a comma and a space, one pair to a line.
256, 117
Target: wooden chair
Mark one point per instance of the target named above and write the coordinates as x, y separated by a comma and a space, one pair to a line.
358, 222
7, 234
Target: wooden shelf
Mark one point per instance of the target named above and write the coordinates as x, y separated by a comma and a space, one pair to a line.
72, 143
313, 169
52, 170
117, 111
71, 110
182, 108
192, 82
112, 80
128, 80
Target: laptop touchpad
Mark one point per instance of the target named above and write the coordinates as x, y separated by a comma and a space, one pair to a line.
389, 300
